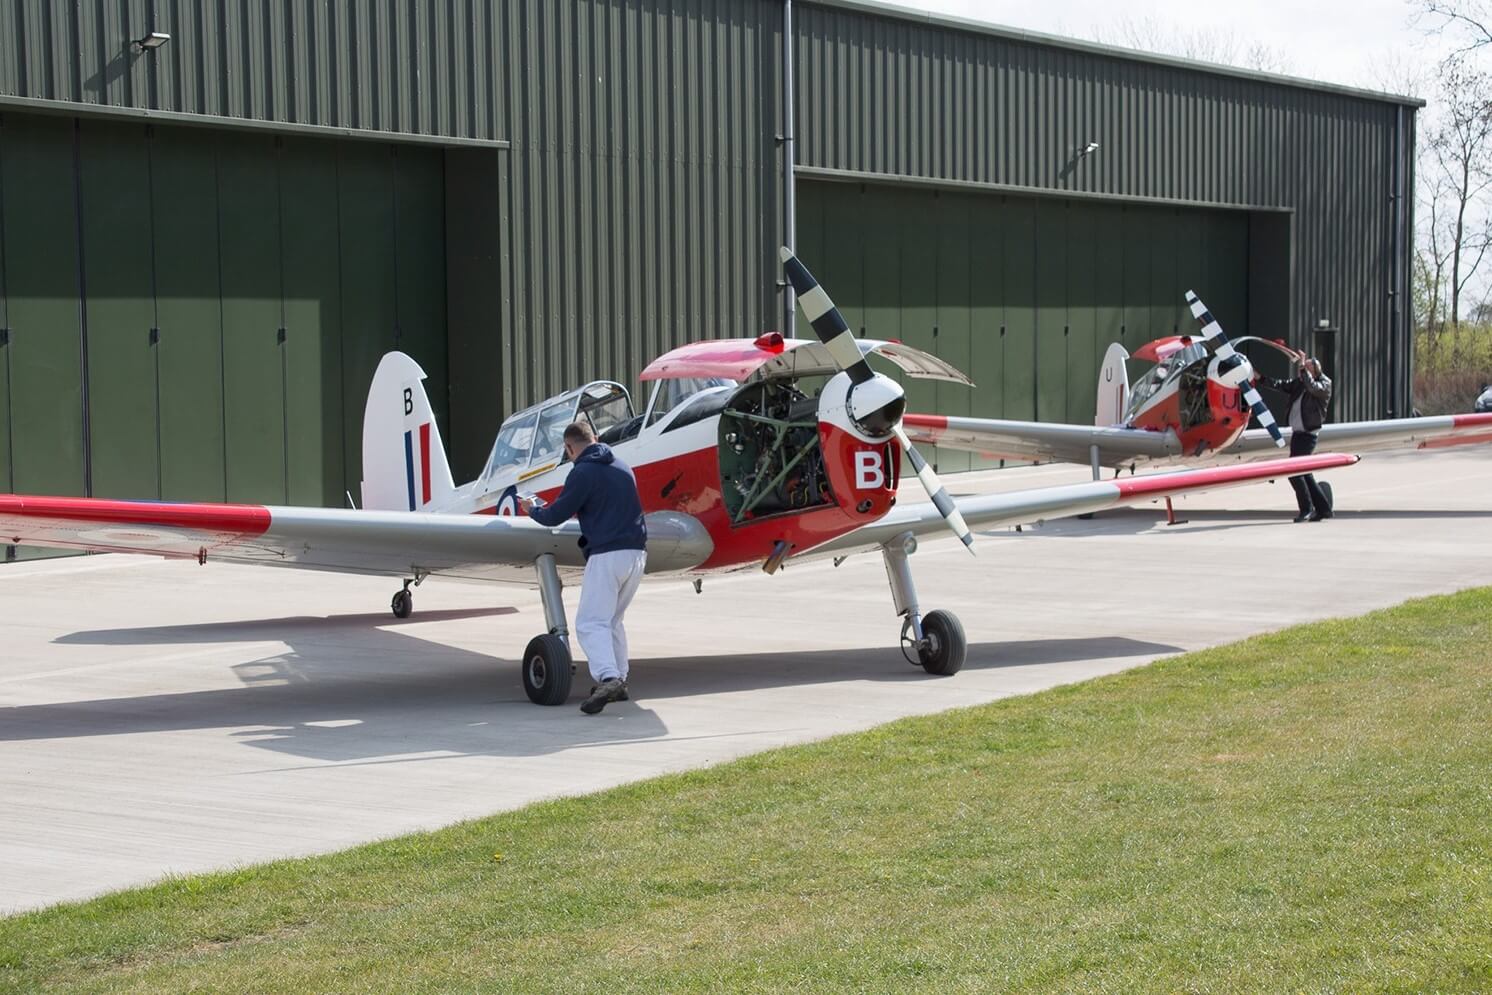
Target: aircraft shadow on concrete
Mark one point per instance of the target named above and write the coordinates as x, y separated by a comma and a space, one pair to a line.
1137, 520
346, 691
264, 629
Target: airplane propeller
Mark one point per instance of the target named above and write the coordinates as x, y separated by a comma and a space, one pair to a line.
1231, 368
876, 403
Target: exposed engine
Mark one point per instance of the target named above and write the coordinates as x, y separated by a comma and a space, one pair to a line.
770, 459
1195, 407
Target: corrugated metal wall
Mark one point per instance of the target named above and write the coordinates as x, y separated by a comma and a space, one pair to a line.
644, 174
644, 192
196, 315
424, 68
893, 96
646, 183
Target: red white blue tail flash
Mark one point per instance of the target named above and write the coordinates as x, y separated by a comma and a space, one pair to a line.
422, 497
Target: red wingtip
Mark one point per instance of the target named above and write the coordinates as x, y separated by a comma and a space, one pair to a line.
236, 519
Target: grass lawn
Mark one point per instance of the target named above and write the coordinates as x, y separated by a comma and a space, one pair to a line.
1306, 811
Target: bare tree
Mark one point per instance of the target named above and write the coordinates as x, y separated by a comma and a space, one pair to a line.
1469, 20
1460, 149
1152, 34
1432, 257
1399, 70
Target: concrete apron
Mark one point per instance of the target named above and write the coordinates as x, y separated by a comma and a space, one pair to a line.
159, 717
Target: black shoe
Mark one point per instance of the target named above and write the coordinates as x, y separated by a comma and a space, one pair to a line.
603, 693
621, 697
1304, 516
1318, 516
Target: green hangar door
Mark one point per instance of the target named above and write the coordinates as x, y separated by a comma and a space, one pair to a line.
1024, 294
195, 314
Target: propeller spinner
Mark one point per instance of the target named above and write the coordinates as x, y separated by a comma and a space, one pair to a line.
1231, 368
875, 402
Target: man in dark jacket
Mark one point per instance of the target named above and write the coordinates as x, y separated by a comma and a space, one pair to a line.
1309, 392
602, 492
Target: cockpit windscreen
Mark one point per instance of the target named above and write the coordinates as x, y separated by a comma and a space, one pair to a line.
1166, 372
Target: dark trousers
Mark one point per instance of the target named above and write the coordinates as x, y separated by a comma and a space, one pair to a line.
1308, 493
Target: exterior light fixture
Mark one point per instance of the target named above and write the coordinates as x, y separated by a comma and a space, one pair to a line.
1089, 149
151, 42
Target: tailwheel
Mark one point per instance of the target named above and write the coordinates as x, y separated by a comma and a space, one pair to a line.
941, 650
547, 670
403, 603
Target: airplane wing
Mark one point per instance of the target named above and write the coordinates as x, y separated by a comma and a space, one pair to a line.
1042, 441
1430, 432
396, 544
1119, 446
1016, 507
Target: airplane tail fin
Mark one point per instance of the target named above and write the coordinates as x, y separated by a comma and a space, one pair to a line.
404, 460
1113, 387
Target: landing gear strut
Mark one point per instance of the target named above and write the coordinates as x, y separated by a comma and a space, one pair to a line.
403, 603
547, 665
937, 637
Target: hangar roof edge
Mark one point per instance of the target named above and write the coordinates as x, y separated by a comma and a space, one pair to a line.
883, 9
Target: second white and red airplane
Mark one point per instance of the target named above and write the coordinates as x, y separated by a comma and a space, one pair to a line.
739, 467
1192, 407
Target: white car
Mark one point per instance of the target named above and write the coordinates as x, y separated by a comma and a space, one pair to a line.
1484, 401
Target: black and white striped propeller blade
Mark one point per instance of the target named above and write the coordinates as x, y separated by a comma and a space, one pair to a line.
831, 328
1233, 368
828, 324
935, 490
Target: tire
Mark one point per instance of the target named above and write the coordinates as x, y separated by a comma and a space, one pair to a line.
945, 655
547, 670
403, 604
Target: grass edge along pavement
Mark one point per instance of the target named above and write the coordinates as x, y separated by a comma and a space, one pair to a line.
1306, 810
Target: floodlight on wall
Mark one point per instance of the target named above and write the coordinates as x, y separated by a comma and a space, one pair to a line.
1089, 149
151, 42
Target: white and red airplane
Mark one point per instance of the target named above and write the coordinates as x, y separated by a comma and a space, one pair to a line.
1193, 407
737, 464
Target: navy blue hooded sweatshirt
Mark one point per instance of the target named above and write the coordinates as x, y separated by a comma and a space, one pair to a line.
602, 492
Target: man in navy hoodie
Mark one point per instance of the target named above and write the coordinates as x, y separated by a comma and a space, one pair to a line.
602, 492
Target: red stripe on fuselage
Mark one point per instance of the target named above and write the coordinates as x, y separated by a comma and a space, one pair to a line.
1187, 479
238, 519
425, 463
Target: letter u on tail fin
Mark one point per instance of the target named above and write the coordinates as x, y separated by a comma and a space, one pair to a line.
404, 460
1113, 387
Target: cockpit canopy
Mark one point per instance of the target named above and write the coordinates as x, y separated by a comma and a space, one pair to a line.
535, 436
1157, 381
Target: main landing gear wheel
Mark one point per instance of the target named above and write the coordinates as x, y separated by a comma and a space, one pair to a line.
547, 670
943, 644
403, 603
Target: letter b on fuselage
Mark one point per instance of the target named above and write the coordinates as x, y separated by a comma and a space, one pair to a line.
870, 471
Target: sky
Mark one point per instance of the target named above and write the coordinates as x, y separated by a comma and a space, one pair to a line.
1353, 42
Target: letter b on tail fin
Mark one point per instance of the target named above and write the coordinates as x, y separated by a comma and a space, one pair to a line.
404, 461
1113, 387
